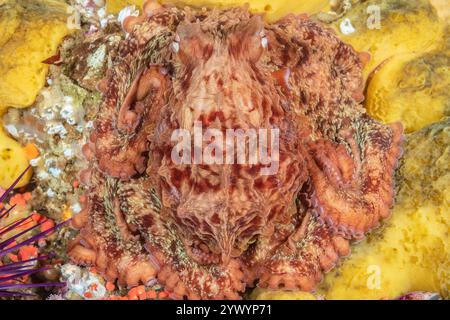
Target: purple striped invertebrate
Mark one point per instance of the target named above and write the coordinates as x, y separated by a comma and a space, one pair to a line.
12, 238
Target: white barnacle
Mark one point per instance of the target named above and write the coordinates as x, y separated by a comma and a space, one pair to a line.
68, 153
43, 175
35, 162
347, 27
67, 111
57, 128
89, 125
12, 130
50, 193
56, 172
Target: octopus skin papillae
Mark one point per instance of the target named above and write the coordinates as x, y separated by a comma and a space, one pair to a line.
211, 231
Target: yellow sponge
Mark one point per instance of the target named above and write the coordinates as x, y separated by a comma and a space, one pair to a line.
34, 32
412, 89
31, 32
265, 294
10, 16
404, 26
114, 6
274, 9
13, 161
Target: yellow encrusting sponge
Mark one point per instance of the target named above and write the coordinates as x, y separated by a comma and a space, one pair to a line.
34, 30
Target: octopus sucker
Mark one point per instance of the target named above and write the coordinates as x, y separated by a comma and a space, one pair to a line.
133, 273
207, 230
82, 256
80, 220
374, 203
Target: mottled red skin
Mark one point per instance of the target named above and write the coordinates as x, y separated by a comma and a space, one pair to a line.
209, 231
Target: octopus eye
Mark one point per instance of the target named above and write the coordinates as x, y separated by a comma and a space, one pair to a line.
249, 40
175, 47
264, 42
191, 44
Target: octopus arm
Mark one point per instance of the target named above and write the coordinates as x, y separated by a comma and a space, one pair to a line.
106, 241
353, 186
136, 89
176, 270
121, 154
315, 58
299, 263
351, 157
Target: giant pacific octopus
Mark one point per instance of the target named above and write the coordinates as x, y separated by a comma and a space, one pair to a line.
208, 231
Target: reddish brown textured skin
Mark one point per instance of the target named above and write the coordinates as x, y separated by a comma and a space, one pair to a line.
209, 231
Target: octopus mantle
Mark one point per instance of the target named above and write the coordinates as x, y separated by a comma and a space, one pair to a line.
209, 231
